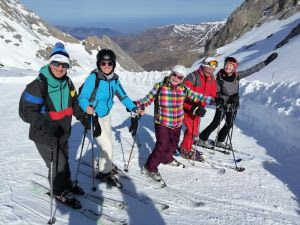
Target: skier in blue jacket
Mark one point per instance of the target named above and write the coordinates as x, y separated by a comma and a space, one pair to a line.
108, 86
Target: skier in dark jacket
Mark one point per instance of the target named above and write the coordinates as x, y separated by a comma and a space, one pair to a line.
48, 105
228, 97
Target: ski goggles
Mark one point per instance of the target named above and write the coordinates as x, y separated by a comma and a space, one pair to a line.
106, 63
58, 64
178, 77
212, 63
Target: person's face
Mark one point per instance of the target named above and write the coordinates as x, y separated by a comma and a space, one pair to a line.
208, 70
106, 66
59, 69
176, 79
229, 68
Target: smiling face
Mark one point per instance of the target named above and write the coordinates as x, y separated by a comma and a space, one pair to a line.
106, 66
58, 69
176, 79
208, 71
229, 68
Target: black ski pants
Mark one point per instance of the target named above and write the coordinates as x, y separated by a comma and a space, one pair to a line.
215, 123
61, 169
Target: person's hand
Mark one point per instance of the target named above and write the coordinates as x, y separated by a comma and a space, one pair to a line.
140, 112
271, 58
219, 101
90, 110
199, 111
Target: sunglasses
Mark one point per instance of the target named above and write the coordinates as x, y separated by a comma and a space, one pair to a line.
58, 64
178, 77
212, 63
106, 63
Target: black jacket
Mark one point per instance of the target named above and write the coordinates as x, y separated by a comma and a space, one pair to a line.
57, 104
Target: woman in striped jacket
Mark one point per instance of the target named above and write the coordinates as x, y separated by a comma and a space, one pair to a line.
169, 96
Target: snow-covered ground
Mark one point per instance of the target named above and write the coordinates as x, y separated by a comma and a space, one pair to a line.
267, 192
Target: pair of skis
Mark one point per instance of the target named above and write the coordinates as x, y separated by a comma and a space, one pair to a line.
161, 206
224, 151
100, 217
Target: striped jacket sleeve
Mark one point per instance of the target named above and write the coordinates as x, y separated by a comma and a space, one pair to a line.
150, 97
197, 97
33, 102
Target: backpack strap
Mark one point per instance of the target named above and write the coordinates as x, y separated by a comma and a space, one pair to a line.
97, 81
195, 78
157, 94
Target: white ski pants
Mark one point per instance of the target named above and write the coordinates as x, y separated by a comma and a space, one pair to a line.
106, 145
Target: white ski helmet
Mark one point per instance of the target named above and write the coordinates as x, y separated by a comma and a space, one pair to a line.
179, 70
210, 62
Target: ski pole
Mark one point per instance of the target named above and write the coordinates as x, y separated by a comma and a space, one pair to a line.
93, 157
134, 140
79, 161
52, 218
239, 169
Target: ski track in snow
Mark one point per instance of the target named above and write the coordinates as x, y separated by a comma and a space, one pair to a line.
256, 196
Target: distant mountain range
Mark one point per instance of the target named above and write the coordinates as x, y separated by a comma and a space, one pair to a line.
158, 48
163, 47
83, 32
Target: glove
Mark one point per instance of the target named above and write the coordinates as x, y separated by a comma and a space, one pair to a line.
96, 127
54, 129
271, 58
199, 111
86, 123
219, 101
134, 125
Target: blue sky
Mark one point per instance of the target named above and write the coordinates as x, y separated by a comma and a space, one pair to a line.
130, 15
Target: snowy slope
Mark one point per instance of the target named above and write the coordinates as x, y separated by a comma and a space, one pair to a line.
26, 42
258, 43
25, 38
254, 196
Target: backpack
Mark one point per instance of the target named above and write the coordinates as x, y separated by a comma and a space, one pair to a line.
97, 81
44, 109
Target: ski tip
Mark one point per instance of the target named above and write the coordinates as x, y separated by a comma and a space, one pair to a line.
240, 169
164, 207
199, 204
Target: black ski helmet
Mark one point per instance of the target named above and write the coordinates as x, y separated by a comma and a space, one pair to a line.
231, 59
106, 54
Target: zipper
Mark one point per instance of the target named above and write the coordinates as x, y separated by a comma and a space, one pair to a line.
108, 96
61, 97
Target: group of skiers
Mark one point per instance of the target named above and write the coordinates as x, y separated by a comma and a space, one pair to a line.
49, 102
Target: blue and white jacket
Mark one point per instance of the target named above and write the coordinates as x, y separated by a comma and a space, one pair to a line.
106, 91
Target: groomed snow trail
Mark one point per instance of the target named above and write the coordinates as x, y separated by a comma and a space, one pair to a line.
196, 194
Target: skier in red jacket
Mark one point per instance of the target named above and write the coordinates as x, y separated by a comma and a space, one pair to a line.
201, 81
